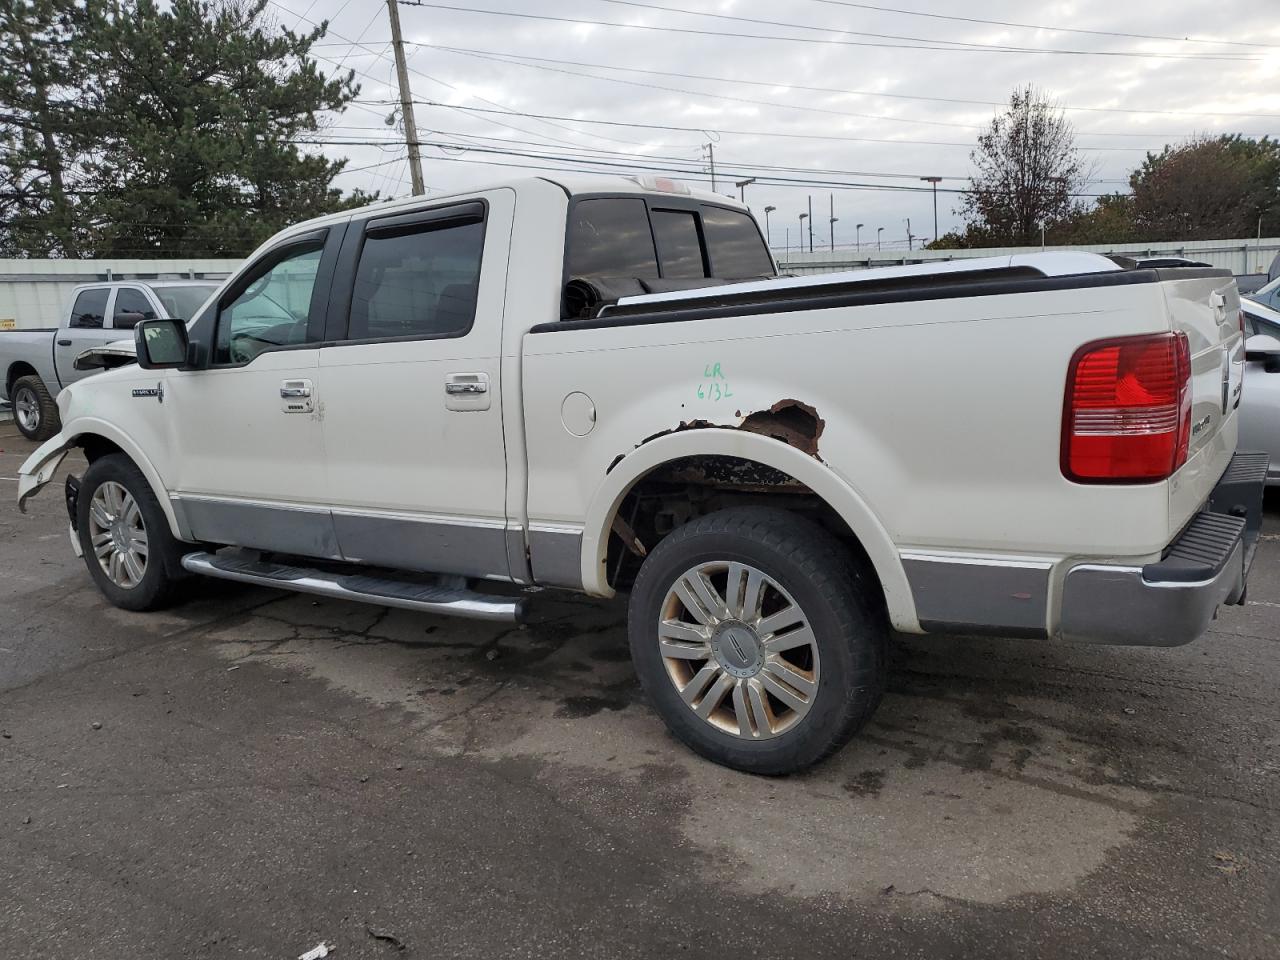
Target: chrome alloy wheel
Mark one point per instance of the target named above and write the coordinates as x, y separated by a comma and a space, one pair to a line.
738, 649
26, 407
118, 534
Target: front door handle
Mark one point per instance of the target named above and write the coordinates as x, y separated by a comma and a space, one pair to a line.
466, 391
64, 343
295, 396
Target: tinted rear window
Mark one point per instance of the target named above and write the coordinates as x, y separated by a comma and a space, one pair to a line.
734, 244
422, 283
678, 243
610, 238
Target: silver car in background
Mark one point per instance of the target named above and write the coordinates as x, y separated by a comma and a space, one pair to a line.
1260, 405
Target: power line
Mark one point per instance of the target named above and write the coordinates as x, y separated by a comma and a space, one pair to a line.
1040, 26
498, 58
743, 133
922, 44
836, 90
444, 83
974, 46
692, 173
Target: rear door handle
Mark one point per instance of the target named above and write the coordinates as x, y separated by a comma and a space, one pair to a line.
292, 392
64, 343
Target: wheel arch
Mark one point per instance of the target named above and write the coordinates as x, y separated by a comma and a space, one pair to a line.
97, 439
19, 368
805, 468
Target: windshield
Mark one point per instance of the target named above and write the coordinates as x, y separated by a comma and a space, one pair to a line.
182, 302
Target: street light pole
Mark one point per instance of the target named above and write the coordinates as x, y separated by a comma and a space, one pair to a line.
857, 233
879, 230
768, 239
935, 181
742, 187
803, 218
909, 238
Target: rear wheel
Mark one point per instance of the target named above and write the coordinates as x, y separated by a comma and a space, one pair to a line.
124, 535
34, 411
758, 639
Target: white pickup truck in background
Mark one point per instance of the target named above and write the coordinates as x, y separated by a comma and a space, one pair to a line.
39, 363
600, 385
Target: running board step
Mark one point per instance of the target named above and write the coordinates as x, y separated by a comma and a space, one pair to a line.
448, 601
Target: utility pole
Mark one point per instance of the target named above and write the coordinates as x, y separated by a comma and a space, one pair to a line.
742, 187
909, 237
768, 239
810, 223
857, 234
832, 221
935, 181
406, 101
879, 230
711, 153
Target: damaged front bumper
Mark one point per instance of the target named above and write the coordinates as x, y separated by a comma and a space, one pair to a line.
39, 468
1172, 601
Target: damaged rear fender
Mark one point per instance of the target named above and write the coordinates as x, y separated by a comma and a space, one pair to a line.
764, 449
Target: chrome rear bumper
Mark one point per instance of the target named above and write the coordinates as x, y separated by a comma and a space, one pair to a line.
1172, 601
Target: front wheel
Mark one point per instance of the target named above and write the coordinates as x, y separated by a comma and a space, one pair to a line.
124, 535
758, 639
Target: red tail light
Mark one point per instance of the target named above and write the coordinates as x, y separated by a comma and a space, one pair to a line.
1127, 414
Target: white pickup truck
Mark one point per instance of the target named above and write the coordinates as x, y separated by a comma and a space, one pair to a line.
600, 385
39, 363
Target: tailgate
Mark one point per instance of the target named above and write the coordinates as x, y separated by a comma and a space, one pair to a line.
1205, 306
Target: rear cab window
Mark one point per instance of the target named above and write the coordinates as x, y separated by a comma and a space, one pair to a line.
638, 244
417, 281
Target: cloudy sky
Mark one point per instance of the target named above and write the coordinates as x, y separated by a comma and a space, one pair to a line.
811, 97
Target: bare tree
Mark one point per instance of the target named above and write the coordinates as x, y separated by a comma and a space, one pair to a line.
1028, 171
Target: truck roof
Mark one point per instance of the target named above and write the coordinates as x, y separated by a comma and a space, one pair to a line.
573, 184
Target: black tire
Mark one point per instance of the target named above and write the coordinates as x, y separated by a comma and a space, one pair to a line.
163, 567
31, 390
840, 601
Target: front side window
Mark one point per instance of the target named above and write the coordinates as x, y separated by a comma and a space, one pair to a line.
272, 311
421, 281
90, 309
734, 244
679, 246
131, 308
610, 237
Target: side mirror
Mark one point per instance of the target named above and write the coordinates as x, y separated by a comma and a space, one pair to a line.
162, 344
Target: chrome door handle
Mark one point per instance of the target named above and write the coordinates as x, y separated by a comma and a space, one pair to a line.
295, 393
466, 386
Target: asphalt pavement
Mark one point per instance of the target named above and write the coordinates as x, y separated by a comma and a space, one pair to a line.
251, 774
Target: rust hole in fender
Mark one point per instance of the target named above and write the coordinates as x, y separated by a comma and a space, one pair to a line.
794, 423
